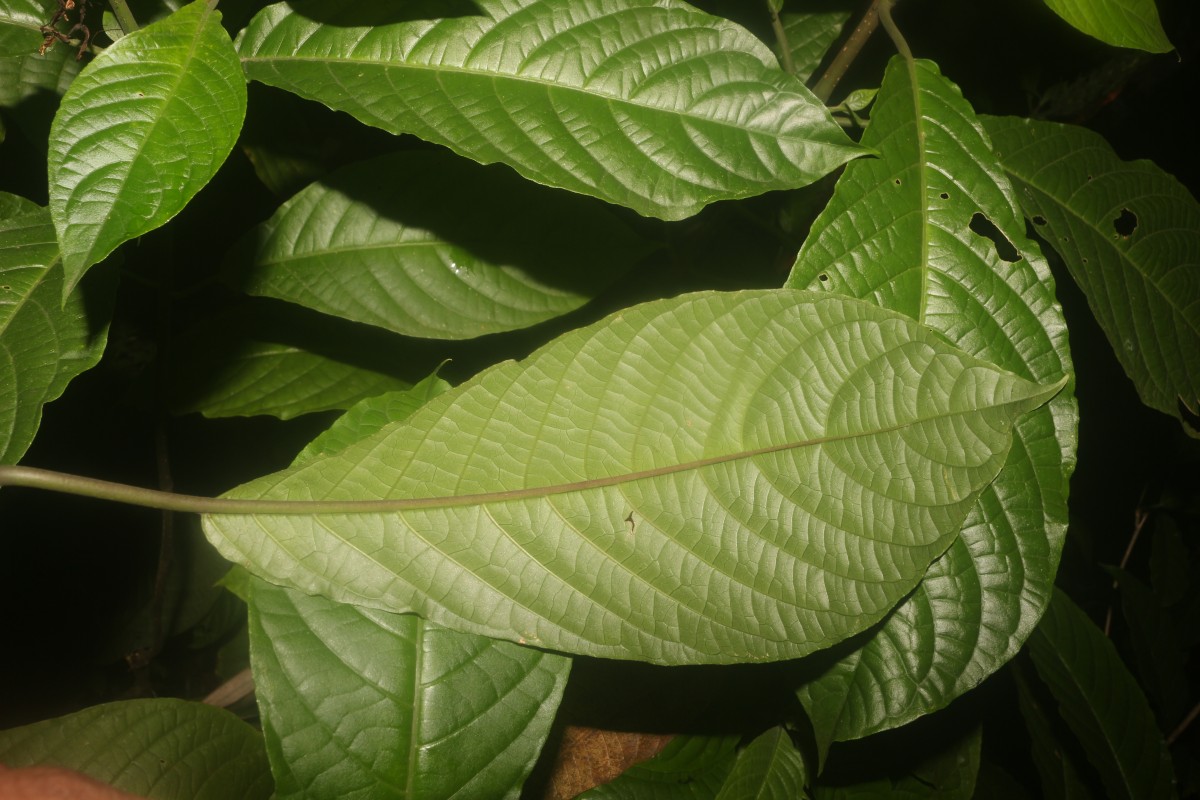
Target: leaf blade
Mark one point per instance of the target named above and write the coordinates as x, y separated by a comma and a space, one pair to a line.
1140, 281
899, 232
626, 100
140, 131
1121, 23
466, 511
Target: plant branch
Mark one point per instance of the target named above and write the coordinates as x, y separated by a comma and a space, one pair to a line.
124, 16
1183, 726
824, 87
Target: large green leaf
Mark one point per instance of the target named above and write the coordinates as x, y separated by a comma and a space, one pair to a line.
685, 481
20, 25
141, 130
688, 768
454, 714
901, 232
431, 245
1130, 235
43, 343
162, 749
1121, 23
1102, 703
770, 768
650, 104
449, 714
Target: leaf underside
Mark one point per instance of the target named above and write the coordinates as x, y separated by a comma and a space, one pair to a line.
1130, 235
44, 343
1121, 23
603, 498
650, 104
901, 231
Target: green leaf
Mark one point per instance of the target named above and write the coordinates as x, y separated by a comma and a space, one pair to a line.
688, 768
1055, 763
650, 104
431, 245
24, 77
158, 748
141, 130
901, 232
1130, 235
941, 773
1102, 703
669, 484
371, 415
769, 767
1121, 23
809, 36
43, 343
20, 25
448, 714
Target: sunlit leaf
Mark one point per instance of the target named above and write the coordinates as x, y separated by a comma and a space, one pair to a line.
141, 130
932, 229
1121, 23
671, 484
650, 104
431, 245
43, 343
1101, 703
688, 768
156, 748
1130, 235
770, 768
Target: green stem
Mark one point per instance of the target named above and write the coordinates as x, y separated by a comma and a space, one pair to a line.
124, 16
889, 25
824, 87
781, 41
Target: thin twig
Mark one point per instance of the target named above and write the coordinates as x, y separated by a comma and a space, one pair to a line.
889, 25
824, 87
1140, 516
1183, 726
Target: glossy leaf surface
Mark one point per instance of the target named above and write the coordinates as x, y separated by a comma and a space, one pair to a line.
1102, 703
770, 768
712, 513
362, 703
1130, 235
649, 104
1121, 23
431, 245
809, 35
901, 232
688, 768
158, 748
43, 343
20, 23
141, 130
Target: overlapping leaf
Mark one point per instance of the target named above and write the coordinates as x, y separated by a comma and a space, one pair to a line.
20, 25
770, 768
1102, 703
456, 715
43, 343
431, 245
650, 104
450, 714
1121, 23
1130, 235
809, 36
684, 481
688, 768
155, 748
141, 130
901, 232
